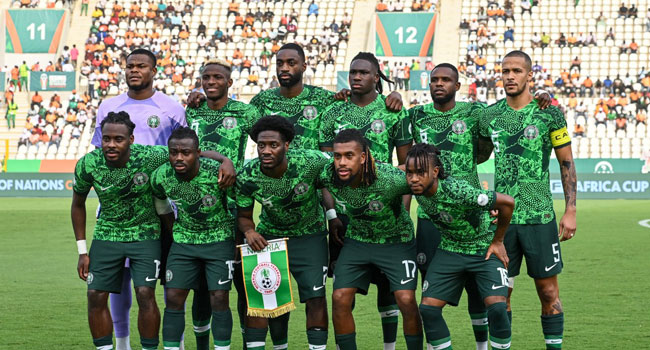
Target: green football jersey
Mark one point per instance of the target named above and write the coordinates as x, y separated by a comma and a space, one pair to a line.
460, 211
203, 215
523, 141
303, 111
127, 210
290, 204
376, 212
224, 131
455, 133
383, 128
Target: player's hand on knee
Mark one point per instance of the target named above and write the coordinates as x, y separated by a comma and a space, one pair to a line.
499, 250
336, 230
255, 240
195, 98
394, 101
227, 174
82, 266
342, 95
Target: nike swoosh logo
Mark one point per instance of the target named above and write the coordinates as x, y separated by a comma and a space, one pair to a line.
407, 281
318, 288
223, 282
495, 287
149, 279
391, 313
548, 268
105, 188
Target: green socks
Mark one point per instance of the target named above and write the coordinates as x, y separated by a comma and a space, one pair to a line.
173, 327
553, 327
500, 333
435, 327
104, 343
317, 338
202, 334
346, 341
414, 342
255, 338
149, 343
279, 329
389, 323
221, 329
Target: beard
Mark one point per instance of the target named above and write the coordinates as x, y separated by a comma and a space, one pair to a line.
518, 92
444, 99
293, 80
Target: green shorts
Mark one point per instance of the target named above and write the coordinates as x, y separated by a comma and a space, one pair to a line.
308, 263
188, 263
107, 264
427, 238
354, 268
449, 272
539, 244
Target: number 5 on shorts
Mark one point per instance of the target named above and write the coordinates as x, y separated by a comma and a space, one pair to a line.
556, 252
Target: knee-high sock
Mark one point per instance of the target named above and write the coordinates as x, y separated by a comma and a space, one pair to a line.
553, 327
201, 313
500, 333
387, 307
173, 327
221, 329
279, 329
255, 338
435, 328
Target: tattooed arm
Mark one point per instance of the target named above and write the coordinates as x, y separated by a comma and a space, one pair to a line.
568, 173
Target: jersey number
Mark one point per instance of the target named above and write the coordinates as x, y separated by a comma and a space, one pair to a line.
410, 271
556, 252
504, 275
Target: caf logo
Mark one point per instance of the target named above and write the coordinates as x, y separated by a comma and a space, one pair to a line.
140, 179
169, 275
229, 123
209, 200
310, 112
378, 126
153, 121
90, 278
425, 285
531, 132
421, 258
458, 127
266, 278
445, 217
375, 205
301, 188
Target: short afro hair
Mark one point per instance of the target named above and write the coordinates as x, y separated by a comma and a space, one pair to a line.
274, 123
184, 133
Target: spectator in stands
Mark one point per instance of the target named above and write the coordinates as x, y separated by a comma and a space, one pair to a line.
473, 27
623, 48
546, 40
535, 40
37, 100
610, 35
347, 20
562, 41
628, 81
641, 118
591, 40
621, 123
601, 116
480, 62
509, 34
74, 55
634, 47
607, 84
12, 109
233, 8
526, 7
464, 24
587, 85
622, 11
576, 63
381, 7
399, 7
632, 12
24, 75
201, 29
579, 131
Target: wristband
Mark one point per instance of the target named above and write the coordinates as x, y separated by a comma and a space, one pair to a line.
330, 214
81, 247
541, 91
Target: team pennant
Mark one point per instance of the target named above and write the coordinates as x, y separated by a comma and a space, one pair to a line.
267, 280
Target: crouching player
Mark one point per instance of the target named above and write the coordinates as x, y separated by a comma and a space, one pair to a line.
468, 246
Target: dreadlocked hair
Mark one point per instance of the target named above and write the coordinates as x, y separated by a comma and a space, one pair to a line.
369, 170
367, 56
120, 117
425, 155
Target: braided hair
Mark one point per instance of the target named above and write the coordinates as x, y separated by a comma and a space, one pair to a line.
369, 170
367, 56
120, 117
426, 155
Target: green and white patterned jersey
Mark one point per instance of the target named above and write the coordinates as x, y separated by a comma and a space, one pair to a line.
290, 204
460, 211
224, 131
376, 212
455, 133
384, 129
128, 213
523, 141
203, 215
303, 111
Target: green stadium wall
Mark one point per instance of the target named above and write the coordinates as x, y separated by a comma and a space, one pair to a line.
597, 178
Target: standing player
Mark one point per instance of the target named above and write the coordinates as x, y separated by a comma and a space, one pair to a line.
303, 105
379, 235
126, 228
284, 183
156, 115
223, 125
468, 249
203, 244
523, 137
384, 130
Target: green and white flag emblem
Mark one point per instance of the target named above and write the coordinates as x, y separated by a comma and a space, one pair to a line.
267, 280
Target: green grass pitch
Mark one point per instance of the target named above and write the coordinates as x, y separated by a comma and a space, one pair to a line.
604, 285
